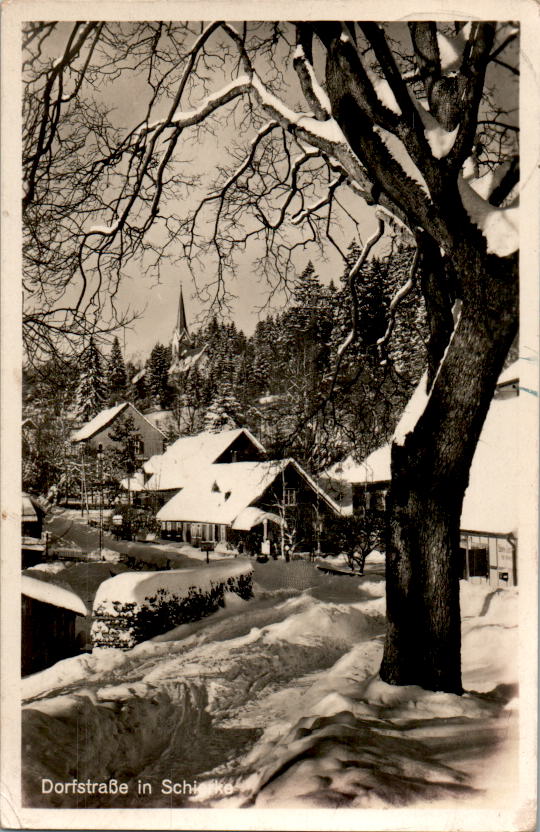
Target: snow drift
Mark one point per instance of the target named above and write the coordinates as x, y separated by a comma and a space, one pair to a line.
279, 698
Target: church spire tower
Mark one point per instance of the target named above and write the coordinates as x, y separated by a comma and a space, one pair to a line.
181, 340
181, 321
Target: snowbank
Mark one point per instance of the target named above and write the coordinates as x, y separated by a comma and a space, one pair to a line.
282, 699
135, 606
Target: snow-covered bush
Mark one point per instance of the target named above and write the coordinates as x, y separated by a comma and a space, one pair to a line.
134, 607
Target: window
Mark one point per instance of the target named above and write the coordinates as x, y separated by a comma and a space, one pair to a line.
289, 496
138, 446
478, 562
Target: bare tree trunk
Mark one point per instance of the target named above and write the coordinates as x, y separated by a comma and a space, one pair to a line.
430, 474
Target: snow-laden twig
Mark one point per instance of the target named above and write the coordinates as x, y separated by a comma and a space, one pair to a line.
314, 93
401, 293
352, 286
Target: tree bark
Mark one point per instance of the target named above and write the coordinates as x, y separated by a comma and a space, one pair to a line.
430, 475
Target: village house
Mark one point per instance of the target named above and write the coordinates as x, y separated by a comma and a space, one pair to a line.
48, 626
97, 432
489, 518
167, 473
249, 502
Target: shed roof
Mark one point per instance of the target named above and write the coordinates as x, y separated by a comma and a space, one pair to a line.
49, 593
188, 455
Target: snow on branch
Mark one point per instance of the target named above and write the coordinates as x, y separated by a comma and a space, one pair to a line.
354, 296
401, 293
499, 226
313, 92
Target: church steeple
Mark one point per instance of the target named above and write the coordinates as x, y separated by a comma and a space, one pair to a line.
181, 321
181, 339
185, 355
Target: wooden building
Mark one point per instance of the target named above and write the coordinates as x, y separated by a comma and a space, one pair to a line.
97, 431
167, 473
489, 518
249, 501
48, 626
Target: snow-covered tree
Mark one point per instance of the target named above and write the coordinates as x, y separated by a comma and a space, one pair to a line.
91, 392
116, 373
416, 120
157, 375
225, 411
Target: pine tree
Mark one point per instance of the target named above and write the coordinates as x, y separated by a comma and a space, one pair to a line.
116, 373
157, 375
225, 412
91, 392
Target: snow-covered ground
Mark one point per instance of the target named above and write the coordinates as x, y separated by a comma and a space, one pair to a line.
276, 702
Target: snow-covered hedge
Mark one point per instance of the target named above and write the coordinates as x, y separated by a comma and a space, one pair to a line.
135, 606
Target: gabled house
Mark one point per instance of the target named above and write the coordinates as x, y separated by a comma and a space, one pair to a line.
168, 472
488, 540
97, 431
267, 499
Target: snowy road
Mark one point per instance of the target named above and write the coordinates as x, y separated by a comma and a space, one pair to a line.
278, 701
87, 538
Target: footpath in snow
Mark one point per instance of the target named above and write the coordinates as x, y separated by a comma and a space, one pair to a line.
276, 702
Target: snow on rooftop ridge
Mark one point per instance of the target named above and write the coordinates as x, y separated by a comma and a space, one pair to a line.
104, 418
49, 593
218, 493
100, 421
190, 454
139, 587
375, 468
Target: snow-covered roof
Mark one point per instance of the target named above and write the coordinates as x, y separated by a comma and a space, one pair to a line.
103, 419
98, 423
28, 510
188, 455
138, 376
136, 587
512, 373
490, 503
133, 483
252, 516
219, 493
49, 593
189, 359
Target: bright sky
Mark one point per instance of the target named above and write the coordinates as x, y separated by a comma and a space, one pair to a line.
158, 302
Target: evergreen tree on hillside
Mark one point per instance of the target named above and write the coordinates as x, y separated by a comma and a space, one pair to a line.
91, 392
224, 412
116, 374
157, 375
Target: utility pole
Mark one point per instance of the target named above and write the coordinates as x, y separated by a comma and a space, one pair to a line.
100, 475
